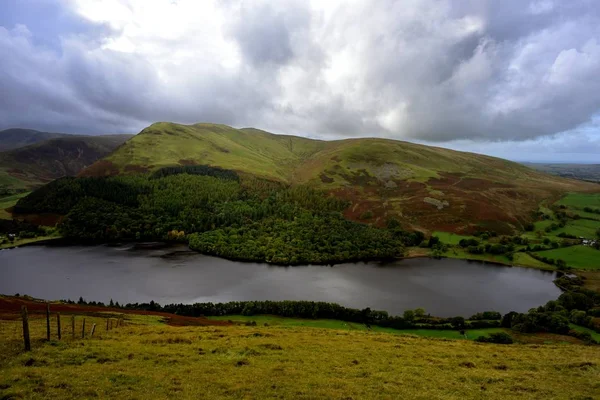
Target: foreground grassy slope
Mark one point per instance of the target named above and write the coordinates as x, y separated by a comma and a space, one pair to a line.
31, 166
425, 187
145, 359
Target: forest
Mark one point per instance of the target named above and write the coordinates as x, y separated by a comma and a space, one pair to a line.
217, 212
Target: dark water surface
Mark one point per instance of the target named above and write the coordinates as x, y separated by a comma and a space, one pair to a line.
443, 287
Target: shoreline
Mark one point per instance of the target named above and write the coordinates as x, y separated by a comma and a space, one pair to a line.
66, 242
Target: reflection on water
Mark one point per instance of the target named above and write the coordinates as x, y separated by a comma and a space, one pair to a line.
443, 287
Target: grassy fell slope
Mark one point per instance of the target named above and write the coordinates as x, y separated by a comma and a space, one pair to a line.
147, 357
33, 165
424, 187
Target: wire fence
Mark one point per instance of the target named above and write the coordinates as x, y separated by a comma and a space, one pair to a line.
31, 330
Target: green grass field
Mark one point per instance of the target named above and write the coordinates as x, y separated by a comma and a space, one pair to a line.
7, 202
580, 228
526, 260
595, 335
451, 238
579, 257
588, 215
6, 180
271, 320
460, 253
22, 242
580, 200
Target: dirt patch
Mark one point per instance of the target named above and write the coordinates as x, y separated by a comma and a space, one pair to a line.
542, 338
359, 177
136, 169
221, 149
187, 162
46, 219
480, 184
325, 178
100, 168
446, 179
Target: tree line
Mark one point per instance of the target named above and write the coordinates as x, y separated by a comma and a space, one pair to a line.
576, 305
218, 213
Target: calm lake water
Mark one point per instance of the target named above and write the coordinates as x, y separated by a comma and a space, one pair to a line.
443, 287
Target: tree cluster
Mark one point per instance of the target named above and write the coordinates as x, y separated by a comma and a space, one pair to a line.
218, 213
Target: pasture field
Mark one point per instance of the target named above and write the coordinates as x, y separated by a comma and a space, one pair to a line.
146, 358
580, 200
277, 321
595, 335
451, 238
580, 228
7, 202
545, 234
579, 257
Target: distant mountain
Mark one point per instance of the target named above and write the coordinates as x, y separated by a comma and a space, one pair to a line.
586, 172
423, 187
15, 138
31, 166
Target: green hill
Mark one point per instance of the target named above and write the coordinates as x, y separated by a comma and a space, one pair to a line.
15, 138
31, 166
424, 187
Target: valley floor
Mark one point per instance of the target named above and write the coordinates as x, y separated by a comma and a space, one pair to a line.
145, 358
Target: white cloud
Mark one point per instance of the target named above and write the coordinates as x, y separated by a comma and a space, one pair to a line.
414, 69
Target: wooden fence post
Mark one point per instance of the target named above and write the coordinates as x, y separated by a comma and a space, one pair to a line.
93, 329
48, 321
25, 328
107, 325
58, 325
73, 326
83, 329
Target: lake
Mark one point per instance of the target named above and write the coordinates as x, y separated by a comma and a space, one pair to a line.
444, 287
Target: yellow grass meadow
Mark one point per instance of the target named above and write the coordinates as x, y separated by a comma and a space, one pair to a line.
145, 359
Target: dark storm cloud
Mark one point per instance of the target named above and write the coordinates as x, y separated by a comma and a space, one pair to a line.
421, 69
266, 34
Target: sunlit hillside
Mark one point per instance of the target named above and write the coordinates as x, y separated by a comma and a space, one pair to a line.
425, 187
145, 358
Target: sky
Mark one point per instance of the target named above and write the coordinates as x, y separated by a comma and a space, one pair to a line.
518, 79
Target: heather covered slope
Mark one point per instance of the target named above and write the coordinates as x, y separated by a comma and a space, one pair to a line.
31, 166
424, 187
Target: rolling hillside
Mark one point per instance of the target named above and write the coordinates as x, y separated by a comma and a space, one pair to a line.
424, 187
15, 138
155, 354
31, 166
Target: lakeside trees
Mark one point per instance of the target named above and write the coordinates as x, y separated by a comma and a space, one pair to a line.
219, 213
